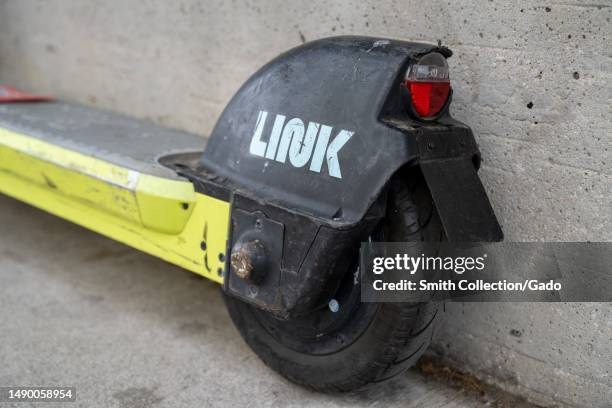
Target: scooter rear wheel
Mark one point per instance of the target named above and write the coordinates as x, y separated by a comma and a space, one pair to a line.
344, 348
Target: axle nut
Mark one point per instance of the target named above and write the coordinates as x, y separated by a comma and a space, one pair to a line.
248, 260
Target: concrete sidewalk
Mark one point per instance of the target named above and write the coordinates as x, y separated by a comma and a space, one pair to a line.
128, 330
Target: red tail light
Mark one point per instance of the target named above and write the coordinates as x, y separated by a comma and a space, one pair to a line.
429, 84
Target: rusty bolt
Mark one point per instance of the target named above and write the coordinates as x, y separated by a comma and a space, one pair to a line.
246, 260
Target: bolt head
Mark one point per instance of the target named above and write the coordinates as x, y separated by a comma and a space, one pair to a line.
248, 260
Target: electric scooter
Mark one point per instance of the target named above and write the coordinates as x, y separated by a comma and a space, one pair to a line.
333, 143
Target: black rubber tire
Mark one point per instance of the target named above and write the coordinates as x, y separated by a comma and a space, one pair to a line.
382, 340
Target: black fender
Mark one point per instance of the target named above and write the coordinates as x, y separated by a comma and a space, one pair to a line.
307, 146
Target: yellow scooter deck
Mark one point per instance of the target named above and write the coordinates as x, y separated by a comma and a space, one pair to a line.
102, 171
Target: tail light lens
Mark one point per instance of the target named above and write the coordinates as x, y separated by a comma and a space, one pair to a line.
429, 84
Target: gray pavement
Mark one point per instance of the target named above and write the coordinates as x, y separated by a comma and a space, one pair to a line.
128, 330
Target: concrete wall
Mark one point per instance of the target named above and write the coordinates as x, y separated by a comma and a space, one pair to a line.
533, 80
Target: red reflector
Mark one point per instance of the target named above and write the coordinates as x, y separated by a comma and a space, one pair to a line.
429, 84
428, 98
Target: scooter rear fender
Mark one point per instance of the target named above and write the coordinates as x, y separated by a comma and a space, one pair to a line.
308, 145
